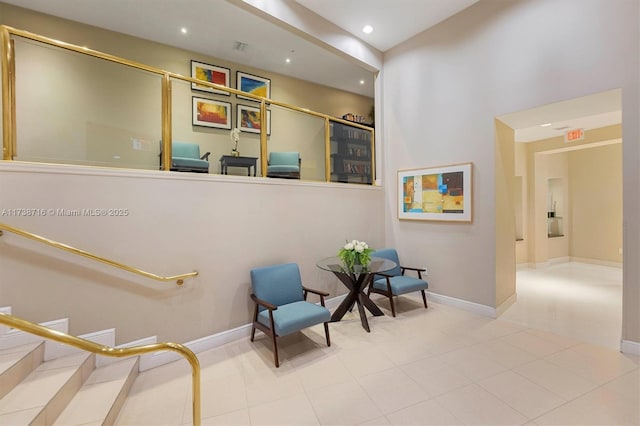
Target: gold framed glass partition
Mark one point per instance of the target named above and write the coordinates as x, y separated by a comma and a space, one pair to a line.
90, 108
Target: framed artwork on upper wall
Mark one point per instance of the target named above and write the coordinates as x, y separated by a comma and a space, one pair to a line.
442, 193
248, 119
253, 84
211, 113
211, 74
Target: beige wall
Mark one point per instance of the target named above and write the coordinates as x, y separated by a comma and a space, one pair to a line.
505, 213
596, 200
550, 158
221, 226
488, 60
105, 107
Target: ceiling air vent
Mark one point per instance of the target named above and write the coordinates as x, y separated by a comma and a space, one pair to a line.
561, 128
240, 46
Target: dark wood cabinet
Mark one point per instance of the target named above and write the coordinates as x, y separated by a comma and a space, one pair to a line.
351, 154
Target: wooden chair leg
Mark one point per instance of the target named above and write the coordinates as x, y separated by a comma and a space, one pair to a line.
326, 333
253, 332
275, 350
393, 308
424, 298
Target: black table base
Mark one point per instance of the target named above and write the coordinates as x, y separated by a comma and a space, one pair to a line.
356, 285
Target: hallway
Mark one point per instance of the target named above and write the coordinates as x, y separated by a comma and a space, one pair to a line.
577, 300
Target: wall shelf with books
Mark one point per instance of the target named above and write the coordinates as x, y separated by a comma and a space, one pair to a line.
351, 154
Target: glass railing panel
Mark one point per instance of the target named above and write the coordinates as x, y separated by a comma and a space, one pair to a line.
81, 110
203, 118
351, 154
291, 130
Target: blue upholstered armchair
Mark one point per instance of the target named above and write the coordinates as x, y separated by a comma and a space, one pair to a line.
185, 157
394, 282
281, 306
284, 165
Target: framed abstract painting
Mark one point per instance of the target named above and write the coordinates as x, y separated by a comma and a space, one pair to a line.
248, 119
211, 74
210, 113
253, 84
442, 193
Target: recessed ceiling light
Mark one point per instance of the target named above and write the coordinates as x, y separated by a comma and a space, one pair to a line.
367, 29
183, 30
361, 81
545, 125
288, 60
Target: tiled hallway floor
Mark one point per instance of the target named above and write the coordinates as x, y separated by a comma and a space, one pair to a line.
436, 366
578, 300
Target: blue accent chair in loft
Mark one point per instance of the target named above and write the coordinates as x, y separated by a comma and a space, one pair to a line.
281, 304
185, 157
394, 282
284, 165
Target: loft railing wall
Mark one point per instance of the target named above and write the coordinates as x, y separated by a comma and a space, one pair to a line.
91, 108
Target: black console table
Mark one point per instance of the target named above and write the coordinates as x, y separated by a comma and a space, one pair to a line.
227, 161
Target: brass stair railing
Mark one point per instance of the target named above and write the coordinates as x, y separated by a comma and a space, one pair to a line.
178, 278
90, 346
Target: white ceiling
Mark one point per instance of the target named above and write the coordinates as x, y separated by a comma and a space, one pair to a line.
588, 112
392, 22
214, 27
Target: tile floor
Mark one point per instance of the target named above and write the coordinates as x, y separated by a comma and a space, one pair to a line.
439, 366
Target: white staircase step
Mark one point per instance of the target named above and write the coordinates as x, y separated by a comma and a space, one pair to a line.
44, 393
17, 363
101, 397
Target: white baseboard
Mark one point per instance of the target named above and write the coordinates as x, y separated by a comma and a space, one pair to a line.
597, 262
506, 304
476, 308
558, 260
213, 341
54, 350
4, 328
15, 337
104, 360
630, 347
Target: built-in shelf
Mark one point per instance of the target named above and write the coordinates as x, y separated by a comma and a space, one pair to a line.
554, 227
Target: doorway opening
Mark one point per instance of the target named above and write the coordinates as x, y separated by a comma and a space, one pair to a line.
566, 195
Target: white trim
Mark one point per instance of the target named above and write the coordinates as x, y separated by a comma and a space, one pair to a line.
106, 360
4, 328
55, 350
630, 347
157, 359
15, 337
476, 308
82, 170
558, 260
597, 262
506, 304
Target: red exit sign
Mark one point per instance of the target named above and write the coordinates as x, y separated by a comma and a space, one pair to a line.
574, 135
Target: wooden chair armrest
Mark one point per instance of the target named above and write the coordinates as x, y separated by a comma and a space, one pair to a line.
261, 302
318, 292
413, 269
322, 294
418, 270
382, 274
205, 156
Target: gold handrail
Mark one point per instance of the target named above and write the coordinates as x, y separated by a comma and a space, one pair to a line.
178, 278
90, 346
9, 129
